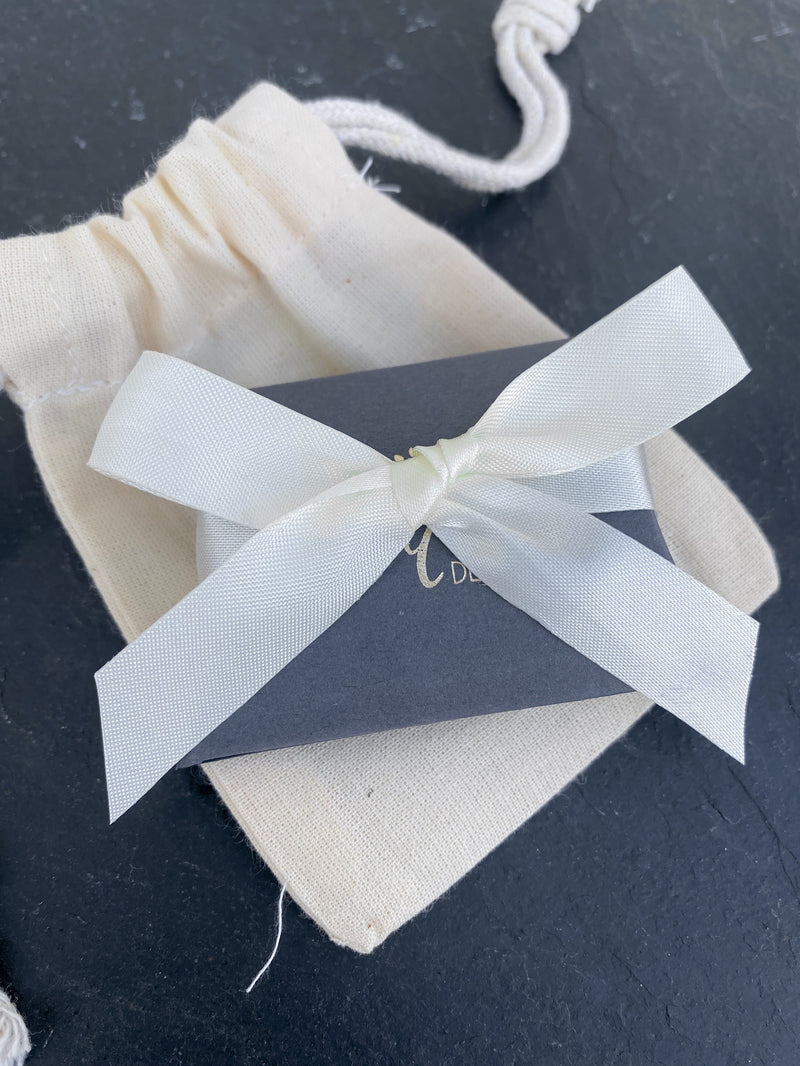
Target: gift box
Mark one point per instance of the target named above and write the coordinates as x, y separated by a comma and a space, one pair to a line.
429, 641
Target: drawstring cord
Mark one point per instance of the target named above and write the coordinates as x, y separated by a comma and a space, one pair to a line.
525, 31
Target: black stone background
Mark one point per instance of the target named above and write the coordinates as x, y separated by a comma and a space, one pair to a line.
650, 914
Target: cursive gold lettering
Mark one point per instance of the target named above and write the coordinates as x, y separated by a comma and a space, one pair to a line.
421, 552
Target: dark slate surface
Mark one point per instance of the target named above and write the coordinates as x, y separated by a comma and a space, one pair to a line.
651, 913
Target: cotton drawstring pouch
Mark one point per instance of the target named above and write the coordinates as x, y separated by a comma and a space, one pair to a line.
257, 251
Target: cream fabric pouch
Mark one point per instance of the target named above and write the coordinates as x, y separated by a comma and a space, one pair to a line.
257, 251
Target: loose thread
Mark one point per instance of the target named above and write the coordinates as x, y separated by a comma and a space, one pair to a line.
274, 951
375, 182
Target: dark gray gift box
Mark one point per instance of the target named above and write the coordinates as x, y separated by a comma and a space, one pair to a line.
428, 642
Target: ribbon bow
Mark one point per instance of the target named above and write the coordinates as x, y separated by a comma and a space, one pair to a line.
510, 497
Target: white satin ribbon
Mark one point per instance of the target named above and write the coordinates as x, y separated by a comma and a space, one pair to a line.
510, 497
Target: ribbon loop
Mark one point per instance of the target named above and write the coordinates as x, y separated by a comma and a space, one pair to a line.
511, 497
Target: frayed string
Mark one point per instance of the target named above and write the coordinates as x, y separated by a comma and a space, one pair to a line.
375, 182
274, 951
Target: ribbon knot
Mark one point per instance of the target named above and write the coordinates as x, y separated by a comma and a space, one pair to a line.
514, 498
421, 483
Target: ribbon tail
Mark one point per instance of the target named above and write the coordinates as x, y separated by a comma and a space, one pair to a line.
201, 661
639, 617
